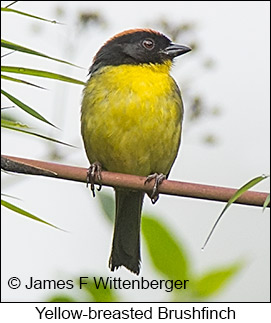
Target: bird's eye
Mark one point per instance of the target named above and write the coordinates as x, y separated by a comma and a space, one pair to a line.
148, 43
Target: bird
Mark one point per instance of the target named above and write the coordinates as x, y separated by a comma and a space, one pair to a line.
131, 123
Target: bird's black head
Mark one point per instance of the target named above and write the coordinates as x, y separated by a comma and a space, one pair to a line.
137, 46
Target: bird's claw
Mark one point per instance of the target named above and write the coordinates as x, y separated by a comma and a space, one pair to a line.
94, 173
158, 179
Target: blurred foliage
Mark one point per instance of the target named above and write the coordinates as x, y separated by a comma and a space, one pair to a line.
16, 48
61, 298
71, 40
169, 259
9, 120
89, 293
85, 19
175, 30
215, 280
167, 254
266, 202
251, 183
18, 210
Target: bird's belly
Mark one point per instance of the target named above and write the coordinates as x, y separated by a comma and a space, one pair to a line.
134, 139
132, 131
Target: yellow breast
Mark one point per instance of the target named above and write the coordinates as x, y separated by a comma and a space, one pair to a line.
131, 118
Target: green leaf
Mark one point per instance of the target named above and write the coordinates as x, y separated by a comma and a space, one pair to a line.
28, 15
20, 127
39, 73
12, 79
61, 299
100, 294
213, 281
236, 195
7, 54
108, 205
166, 254
12, 124
10, 196
266, 202
19, 48
245, 188
11, 4
26, 108
25, 213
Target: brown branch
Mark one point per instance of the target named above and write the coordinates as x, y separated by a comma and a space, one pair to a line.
208, 192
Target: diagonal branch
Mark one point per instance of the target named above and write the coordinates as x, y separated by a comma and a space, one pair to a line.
79, 174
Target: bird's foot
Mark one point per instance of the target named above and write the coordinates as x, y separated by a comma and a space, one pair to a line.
94, 173
158, 179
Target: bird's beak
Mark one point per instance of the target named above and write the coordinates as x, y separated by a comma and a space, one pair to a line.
174, 50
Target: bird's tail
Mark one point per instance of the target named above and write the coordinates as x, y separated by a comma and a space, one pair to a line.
126, 241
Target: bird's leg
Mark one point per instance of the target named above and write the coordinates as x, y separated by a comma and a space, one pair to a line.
158, 179
94, 172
